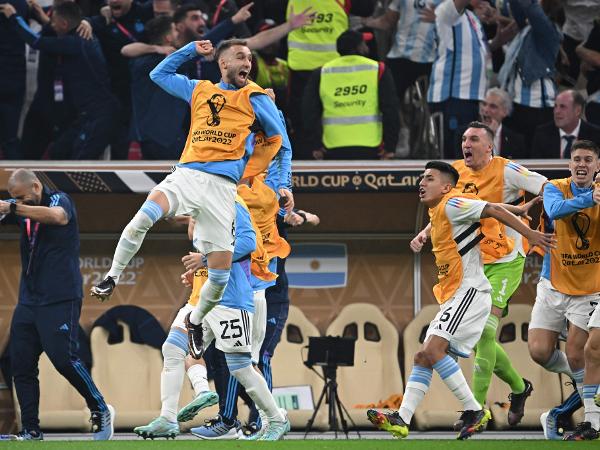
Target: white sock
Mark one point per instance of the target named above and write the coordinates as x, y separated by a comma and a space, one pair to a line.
132, 237
171, 380
592, 412
558, 363
210, 296
256, 387
452, 376
416, 388
198, 378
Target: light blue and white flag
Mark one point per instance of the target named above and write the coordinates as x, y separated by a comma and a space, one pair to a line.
317, 266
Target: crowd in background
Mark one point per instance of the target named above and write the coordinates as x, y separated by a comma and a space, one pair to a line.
74, 80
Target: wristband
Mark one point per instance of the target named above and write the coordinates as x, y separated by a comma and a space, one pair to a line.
301, 214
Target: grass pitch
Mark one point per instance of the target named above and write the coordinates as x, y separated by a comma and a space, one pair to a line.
339, 444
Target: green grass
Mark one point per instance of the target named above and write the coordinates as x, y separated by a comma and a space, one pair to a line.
340, 444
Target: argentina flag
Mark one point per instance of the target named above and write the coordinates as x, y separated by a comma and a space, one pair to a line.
317, 266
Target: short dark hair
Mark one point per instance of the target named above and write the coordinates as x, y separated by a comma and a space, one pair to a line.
578, 99
488, 130
181, 13
227, 44
70, 12
444, 168
584, 144
157, 28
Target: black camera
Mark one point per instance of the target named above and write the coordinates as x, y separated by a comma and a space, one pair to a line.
332, 351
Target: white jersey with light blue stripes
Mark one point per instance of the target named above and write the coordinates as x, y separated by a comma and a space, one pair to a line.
415, 38
459, 69
540, 94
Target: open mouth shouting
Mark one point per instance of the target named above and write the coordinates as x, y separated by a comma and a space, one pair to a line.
242, 76
468, 156
422, 193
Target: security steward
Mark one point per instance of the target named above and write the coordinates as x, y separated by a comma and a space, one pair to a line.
46, 318
351, 104
313, 45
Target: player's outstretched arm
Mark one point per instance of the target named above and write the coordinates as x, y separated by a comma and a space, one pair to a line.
164, 74
557, 207
497, 211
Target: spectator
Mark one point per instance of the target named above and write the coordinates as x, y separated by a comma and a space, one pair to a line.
579, 20
47, 118
82, 81
413, 48
529, 68
458, 77
220, 10
160, 121
353, 97
163, 7
312, 46
121, 23
496, 106
269, 71
12, 83
589, 52
46, 318
191, 25
554, 139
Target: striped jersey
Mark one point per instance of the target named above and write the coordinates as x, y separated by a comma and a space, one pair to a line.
459, 68
540, 94
414, 39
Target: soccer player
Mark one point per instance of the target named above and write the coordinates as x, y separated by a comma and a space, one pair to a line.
224, 118
229, 324
463, 292
589, 429
499, 180
263, 206
569, 288
176, 364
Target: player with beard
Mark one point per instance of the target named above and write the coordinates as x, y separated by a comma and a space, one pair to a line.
224, 119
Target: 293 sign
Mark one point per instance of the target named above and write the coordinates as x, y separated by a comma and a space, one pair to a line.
322, 18
350, 90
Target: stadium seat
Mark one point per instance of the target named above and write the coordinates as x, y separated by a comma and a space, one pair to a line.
128, 375
289, 370
439, 407
61, 406
547, 387
375, 376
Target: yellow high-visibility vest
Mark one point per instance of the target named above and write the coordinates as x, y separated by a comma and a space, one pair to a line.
314, 44
349, 94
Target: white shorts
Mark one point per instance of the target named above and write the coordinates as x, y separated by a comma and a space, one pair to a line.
259, 324
461, 320
179, 321
210, 200
231, 329
552, 307
595, 319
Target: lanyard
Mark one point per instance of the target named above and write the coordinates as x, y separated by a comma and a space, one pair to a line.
32, 237
217, 13
125, 31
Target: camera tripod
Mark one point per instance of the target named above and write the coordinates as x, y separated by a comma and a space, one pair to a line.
334, 404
